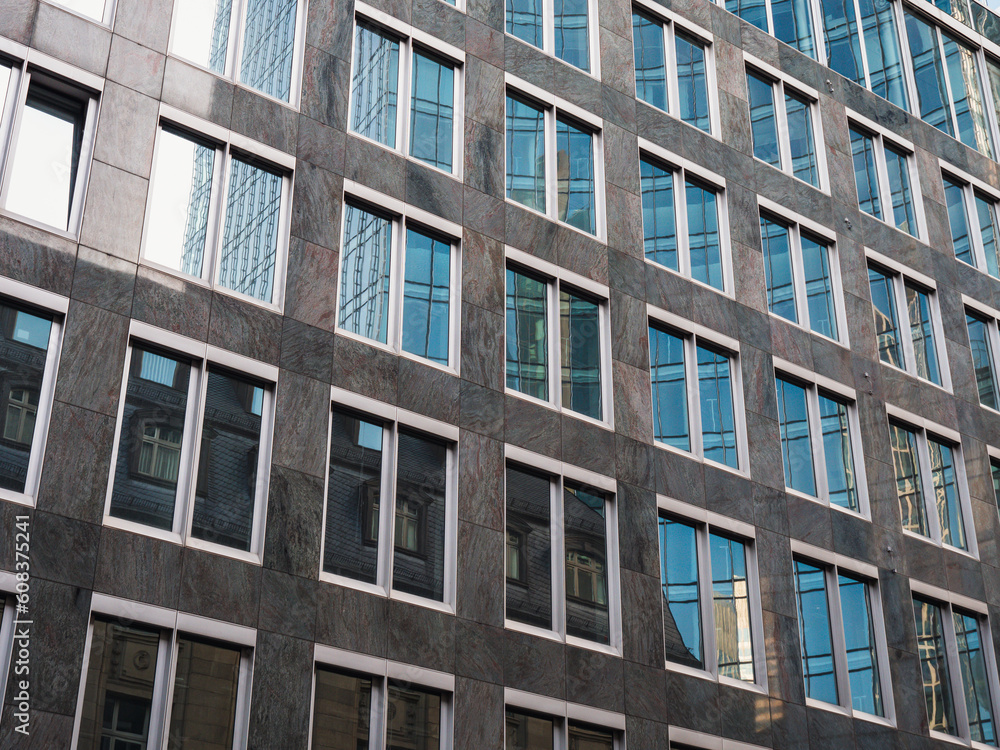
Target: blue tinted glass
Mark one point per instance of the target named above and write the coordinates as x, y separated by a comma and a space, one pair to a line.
375, 83
837, 453
524, 20
865, 176
525, 154
731, 608
432, 112
918, 307
250, 239
966, 96
650, 61
703, 234
715, 392
949, 508
692, 88
899, 190
890, 349
679, 582
859, 641
843, 45
982, 360
972, 662
659, 224
986, 212
751, 11
928, 72
364, 274
158, 369
819, 287
527, 338
666, 365
800, 139
909, 490
796, 443
763, 125
426, 296
575, 177
815, 638
793, 24
571, 36
885, 65
580, 352
934, 667
31, 330
268, 46
957, 218
778, 269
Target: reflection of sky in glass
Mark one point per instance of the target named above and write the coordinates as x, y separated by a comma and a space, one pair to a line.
91, 8
32, 330
202, 32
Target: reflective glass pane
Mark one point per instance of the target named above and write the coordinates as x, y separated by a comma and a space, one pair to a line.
815, 637
986, 213
526, 154
918, 309
524, 20
885, 64
670, 413
650, 61
580, 354
703, 234
966, 96
972, 663
819, 286
928, 72
982, 360
269, 46
149, 445
529, 595
838, 453
763, 123
843, 44
995, 472
731, 608
364, 274
354, 492
575, 176
949, 506
899, 190
859, 641
890, 349
527, 337
692, 85
586, 565
413, 721
375, 85
432, 112
46, 157
796, 441
778, 269
751, 11
572, 39
24, 343
865, 176
527, 732
583, 737
201, 32
419, 536
909, 489
426, 297
250, 237
715, 392
800, 139
934, 667
793, 24
961, 239
679, 572
177, 223
203, 712
227, 464
659, 222
342, 711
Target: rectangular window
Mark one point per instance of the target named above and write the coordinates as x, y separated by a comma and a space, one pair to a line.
884, 176
693, 396
398, 280
217, 214
684, 222
819, 434
673, 69
956, 661
975, 233
572, 593
548, 321
985, 344
407, 97
930, 486
917, 351
252, 42
844, 659
789, 21
146, 686
372, 457
526, 729
554, 164
711, 610
783, 125
192, 450
558, 27
46, 140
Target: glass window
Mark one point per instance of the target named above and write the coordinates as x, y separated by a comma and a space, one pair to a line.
983, 342
190, 196
708, 620
162, 466
413, 313
975, 234
882, 172
693, 407
790, 147
671, 70
369, 457
930, 485
252, 41
525, 730
995, 474
540, 509
531, 316
799, 277
560, 28
844, 667
683, 233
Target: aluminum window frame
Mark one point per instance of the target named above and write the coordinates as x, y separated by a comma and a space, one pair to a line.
562, 713
681, 738
989, 317
973, 188
106, 19
201, 358
8, 619
549, 37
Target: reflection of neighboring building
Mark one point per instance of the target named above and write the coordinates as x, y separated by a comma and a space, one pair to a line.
21, 368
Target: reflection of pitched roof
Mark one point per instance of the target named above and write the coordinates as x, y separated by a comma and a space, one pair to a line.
673, 640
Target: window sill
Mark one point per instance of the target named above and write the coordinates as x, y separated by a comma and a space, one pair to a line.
940, 545
174, 538
596, 237
457, 176
551, 635
701, 459
391, 350
551, 55
825, 503
711, 133
703, 674
420, 601
885, 223
20, 498
377, 590
558, 409
919, 379
849, 712
810, 331
240, 85
824, 190
34, 224
199, 281
724, 292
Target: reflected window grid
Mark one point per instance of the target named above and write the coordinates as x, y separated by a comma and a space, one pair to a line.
782, 127
562, 28
790, 21
885, 180
975, 231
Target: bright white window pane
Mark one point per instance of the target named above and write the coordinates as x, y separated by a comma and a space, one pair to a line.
90, 8
201, 32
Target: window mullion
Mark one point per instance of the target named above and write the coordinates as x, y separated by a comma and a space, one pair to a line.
905, 329
681, 222
237, 29
218, 197
397, 259
882, 177
927, 487
955, 671
403, 87
24, 77
839, 641
192, 431
952, 115
819, 31
263, 470
548, 27
909, 77
8, 113
554, 342
194, 452
994, 335
861, 44
781, 123
387, 506
551, 166
798, 276
163, 690
972, 217
673, 87
816, 443
377, 712
558, 557
706, 597
242, 709
983, 84
693, 395
44, 413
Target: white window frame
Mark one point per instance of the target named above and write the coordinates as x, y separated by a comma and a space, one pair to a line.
902, 278
971, 186
880, 136
225, 142
25, 296
992, 459
411, 40
691, 738
832, 563
673, 22
923, 429
947, 602
796, 223
780, 85
394, 418
812, 383
555, 278
549, 37
680, 168
201, 356
990, 317
170, 623
234, 51
555, 109
381, 670
106, 19
558, 473
25, 64
402, 215
562, 713
694, 334
706, 522
8, 619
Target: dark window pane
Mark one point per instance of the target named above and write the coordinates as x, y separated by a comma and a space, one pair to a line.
670, 406
751, 11
580, 354
571, 36
995, 472
763, 122
890, 350
715, 392
928, 73
800, 139
961, 239
527, 732
586, 565
819, 286
679, 574
731, 608
843, 44
426, 297
899, 189
364, 274
949, 506
525, 154
796, 443
703, 234
918, 308
859, 642
375, 83
527, 338
982, 360
865, 176
986, 215
972, 663
203, 713
582, 737
885, 65
838, 453
793, 24
934, 667
650, 61
432, 112
778, 269
268, 46
524, 20
529, 599
815, 638
659, 222
909, 489
413, 721
342, 711
575, 176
